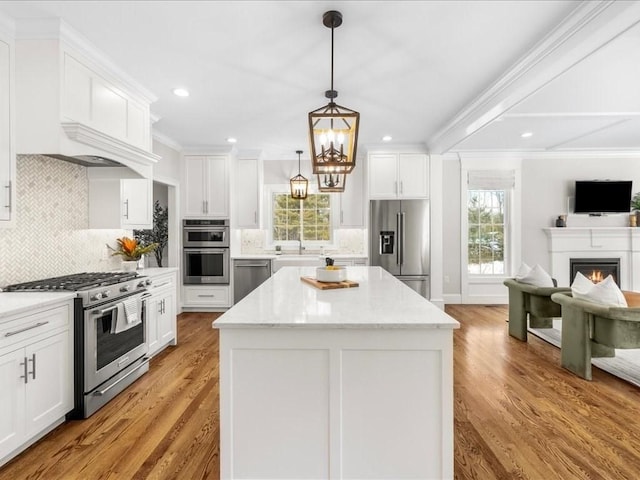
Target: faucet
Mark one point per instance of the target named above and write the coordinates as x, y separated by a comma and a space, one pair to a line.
300, 247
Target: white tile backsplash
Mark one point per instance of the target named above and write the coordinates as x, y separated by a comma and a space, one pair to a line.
51, 235
346, 241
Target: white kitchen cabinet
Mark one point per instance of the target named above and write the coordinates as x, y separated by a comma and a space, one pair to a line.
350, 262
398, 175
209, 297
36, 374
7, 143
119, 203
352, 201
161, 313
247, 193
205, 186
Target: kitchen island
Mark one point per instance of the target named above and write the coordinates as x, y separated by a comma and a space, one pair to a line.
346, 383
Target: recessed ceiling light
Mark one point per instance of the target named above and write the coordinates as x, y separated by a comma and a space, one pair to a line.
232, 140
527, 134
387, 138
181, 92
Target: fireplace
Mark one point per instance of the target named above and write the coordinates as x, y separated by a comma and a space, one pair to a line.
595, 269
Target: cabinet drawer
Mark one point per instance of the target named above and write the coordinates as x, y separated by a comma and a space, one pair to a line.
206, 296
26, 327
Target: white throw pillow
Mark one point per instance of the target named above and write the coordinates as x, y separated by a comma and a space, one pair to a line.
523, 271
605, 292
537, 277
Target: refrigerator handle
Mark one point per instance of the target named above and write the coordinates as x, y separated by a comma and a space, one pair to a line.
399, 233
401, 238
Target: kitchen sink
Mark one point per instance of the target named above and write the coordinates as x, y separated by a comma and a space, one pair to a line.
297, 261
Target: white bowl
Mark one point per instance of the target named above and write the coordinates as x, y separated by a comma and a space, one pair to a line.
338, 274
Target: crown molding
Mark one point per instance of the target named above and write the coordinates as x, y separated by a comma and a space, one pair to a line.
590, 26
166, 141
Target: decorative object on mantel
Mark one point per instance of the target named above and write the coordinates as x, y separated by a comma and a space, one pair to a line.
633, 220
333, 129
159, 234
561, 221
299, 184
131, 252
635, 206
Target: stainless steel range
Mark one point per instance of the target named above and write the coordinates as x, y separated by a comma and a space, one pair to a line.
109, 333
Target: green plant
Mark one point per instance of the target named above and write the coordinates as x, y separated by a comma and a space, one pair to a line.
635, 202
159, 234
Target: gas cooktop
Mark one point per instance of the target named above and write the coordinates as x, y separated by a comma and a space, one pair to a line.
73, 283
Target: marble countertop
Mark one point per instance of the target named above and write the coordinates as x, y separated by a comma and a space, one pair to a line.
12, 303
380, 301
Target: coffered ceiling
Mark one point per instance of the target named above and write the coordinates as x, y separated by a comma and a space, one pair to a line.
451, 75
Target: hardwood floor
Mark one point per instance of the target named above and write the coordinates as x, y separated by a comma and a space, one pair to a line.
517, 415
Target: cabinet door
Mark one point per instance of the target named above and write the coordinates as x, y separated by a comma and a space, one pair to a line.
49, 389
194, 181
167, 320
7, 159
11, 401
383, 176
217, 186
137, 200
247, 189
413, 175
352, 201
152, 312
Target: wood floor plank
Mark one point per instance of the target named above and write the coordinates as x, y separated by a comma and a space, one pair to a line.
517, 413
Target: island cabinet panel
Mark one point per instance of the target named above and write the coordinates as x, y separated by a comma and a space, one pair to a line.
280, 379
336, 403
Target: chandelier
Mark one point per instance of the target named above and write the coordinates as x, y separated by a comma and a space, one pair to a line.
332, 182
333, 129
298, 183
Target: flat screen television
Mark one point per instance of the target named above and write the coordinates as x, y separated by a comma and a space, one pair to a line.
602, 196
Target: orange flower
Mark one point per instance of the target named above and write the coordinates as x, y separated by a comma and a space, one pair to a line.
130, 249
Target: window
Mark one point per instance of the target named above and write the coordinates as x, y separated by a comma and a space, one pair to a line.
488, 223
311, 216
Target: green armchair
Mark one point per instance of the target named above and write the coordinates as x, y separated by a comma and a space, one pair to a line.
528, 302
592, 330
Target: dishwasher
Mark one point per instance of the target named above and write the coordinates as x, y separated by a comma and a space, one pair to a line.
247, 275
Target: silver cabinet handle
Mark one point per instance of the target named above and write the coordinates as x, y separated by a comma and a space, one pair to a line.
401, 187
126, 211
242, 265
30, 327
8, 187
211, 296
395, 186
26, 375
33, 361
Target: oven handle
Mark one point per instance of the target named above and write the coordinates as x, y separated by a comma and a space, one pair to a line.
206, 250
99, 393
114, 307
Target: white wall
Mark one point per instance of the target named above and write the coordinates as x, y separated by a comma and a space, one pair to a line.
167, 170
547, 181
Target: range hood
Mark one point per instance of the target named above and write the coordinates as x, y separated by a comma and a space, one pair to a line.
75, 105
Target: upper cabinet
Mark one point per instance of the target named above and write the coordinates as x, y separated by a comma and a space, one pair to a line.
73, 102
205, 186
107, 189
7, 143
398, 175
247, 192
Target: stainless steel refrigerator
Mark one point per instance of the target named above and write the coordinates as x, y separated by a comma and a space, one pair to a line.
399, 240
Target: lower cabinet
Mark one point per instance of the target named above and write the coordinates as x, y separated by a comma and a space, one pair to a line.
206, 296
161, 313
36, 375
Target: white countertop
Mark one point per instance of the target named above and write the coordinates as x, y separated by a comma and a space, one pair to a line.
12, 303
380, 301
256, 256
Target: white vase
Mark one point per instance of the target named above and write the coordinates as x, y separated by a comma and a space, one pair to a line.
129, 265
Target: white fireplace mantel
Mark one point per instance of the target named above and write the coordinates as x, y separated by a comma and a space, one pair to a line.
595, 242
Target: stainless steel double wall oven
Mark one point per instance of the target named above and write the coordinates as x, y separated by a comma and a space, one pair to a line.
205, 245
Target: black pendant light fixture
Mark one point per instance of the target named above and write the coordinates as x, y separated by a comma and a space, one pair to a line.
332, 182
333, 129
299, 184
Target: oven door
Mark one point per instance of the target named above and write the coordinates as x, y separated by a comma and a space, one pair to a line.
206, 265
112, 343
205, 236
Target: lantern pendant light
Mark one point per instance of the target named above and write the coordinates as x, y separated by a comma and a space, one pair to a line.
333, 129
299, 184
332, 182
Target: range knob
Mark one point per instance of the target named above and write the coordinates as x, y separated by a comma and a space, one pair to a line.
125, 288
140, 284
149, 281
97, 296
106, 293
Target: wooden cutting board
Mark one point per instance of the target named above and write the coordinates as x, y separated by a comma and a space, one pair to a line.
329, 285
